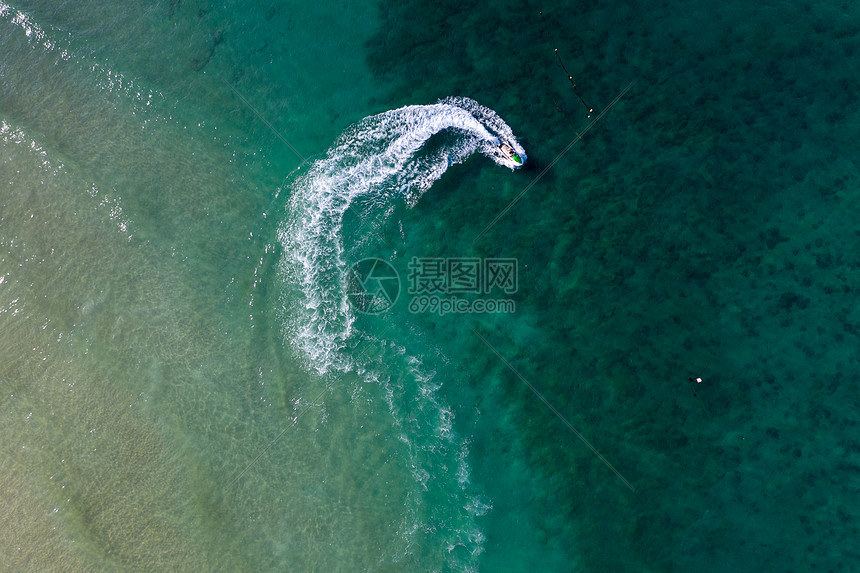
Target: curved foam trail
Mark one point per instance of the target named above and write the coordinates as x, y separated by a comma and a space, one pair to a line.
383, 158
379, 156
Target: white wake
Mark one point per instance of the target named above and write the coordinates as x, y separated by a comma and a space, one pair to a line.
380, 160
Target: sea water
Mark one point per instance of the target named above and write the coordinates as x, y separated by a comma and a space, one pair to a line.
196, 372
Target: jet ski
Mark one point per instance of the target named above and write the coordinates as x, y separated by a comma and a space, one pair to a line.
508, 152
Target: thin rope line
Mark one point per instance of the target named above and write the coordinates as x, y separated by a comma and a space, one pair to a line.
264, 120
278, 437
554, 161
554, 411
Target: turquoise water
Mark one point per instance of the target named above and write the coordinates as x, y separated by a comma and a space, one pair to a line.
188, 384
